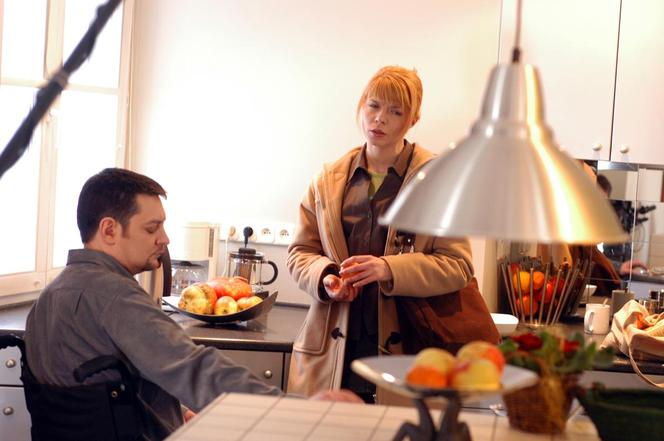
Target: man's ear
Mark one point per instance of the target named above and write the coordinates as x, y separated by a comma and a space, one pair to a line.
109, 230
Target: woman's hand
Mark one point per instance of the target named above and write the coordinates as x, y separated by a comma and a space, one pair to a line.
358, 271
338, 289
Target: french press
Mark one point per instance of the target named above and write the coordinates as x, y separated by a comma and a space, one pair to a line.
248, 263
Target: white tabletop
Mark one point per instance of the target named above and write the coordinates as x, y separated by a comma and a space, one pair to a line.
265, 418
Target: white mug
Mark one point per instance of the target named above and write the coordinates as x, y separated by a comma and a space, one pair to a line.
596, 320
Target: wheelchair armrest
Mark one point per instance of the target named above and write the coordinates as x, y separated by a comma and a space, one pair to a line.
12, 340
101, 363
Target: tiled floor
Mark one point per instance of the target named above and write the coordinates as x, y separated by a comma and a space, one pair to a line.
259, 418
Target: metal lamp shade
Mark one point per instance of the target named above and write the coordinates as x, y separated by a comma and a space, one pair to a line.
507, 179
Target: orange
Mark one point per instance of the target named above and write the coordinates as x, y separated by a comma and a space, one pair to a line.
526, 305
538, 280
524, 279
427, 376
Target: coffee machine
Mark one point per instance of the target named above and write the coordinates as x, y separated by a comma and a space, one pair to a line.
248, 263
194, 251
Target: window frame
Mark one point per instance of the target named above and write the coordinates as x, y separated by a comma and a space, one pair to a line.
14, 287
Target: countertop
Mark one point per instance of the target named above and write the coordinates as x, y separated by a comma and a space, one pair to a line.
258, 418
274, 332
278, 329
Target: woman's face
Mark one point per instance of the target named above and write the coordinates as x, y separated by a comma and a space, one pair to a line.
384, 124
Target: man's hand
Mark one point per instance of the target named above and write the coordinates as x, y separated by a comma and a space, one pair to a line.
343, 395
339, 290
359, 271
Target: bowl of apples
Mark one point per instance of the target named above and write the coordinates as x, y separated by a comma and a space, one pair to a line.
222, 300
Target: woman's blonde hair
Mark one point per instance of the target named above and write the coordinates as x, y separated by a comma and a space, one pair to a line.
395, 84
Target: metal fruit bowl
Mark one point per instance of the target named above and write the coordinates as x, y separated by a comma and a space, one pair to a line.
559, 296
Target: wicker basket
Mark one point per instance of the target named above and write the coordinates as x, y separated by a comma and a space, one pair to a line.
543, 407
623, 414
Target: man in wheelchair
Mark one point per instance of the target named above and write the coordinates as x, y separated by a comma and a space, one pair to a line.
95, 307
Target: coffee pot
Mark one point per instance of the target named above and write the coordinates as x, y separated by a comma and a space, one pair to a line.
248, 263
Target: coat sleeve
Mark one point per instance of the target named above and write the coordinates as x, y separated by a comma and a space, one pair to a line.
306, 259
447, 268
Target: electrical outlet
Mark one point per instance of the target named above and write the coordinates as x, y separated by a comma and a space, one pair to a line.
284, 233
234, 233
265, 234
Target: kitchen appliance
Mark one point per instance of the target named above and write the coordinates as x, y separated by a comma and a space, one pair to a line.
191, 257
194, 250
248, 263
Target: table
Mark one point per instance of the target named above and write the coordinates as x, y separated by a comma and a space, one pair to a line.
265, 418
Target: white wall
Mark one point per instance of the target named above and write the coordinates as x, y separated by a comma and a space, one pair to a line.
237, 103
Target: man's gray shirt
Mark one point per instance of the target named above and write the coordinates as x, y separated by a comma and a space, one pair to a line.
95, 307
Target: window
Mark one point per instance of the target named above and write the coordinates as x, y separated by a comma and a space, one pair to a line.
83, 132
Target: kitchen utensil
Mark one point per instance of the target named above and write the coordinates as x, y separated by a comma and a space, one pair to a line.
505, 323
248, 314
618, 298
185, 273
248, 263
596, 319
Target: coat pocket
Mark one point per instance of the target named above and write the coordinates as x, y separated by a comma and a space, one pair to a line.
312, 337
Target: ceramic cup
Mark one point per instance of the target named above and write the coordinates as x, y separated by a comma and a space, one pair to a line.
618, 298
596, 320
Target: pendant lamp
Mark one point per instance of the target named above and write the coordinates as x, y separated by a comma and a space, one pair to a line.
507, 179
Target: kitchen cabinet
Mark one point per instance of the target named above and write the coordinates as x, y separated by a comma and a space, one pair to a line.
268, 366
14, 416
638, 131
573, 44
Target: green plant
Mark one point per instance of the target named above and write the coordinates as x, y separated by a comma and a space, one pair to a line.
556, 354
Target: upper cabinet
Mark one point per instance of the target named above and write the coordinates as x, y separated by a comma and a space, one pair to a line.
638, 128
573, 45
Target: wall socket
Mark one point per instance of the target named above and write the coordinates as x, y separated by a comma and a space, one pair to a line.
264, 232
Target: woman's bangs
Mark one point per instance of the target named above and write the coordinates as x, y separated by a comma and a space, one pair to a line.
387, 90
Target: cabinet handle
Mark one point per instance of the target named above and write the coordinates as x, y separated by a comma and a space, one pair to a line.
267, 374
624, 149
597, 147
8, 411
10, 363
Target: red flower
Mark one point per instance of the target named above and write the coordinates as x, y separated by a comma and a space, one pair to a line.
570, 346
527, 342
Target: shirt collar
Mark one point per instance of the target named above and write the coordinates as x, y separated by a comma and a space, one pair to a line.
400, 166
87, 255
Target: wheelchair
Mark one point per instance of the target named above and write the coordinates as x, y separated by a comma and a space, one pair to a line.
110, 411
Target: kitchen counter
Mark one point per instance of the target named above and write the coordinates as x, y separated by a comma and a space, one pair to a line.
274, 332
253, 418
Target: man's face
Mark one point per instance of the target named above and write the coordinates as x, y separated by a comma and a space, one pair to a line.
142, 243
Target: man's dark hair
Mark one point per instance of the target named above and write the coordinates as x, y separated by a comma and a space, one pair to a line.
111, 193
604, 184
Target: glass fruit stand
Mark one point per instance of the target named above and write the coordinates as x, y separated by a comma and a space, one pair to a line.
390, 372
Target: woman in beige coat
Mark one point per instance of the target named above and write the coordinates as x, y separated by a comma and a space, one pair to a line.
352, 266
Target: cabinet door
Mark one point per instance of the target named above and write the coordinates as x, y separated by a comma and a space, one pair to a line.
14, 416
10, 367
268, 366
573, 44
638, 130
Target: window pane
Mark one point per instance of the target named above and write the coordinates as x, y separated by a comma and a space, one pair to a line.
23, 37
19, 186
86, 143
103, 67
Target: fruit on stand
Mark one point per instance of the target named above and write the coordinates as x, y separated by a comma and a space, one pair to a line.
225, 305
476, 350
476, 374
198, 298
538, 280
247, 302
477, 366
235, 287
522, 279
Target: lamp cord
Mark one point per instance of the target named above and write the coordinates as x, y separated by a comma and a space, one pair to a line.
18, 144
516, 51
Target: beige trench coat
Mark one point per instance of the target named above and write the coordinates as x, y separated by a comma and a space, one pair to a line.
437, 266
